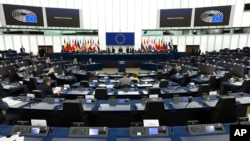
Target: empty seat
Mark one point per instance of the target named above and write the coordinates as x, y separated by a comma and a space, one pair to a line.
101, 93
225, 110
163, 84
72, 112
203, 89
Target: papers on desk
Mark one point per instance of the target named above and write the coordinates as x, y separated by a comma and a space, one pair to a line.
108, 107
106, 85
57, 90
12, 138
128, 93
144, 85
7, 86
11, 102
237, 83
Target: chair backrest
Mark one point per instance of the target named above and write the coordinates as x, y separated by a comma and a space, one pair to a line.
245, 86
101, 93
212, 82
225, 110
203, 89
154, 90
11, 76
163, 83
72, 112
154, 109
2, 92
84, 83
185, 80
38, 93
32, 83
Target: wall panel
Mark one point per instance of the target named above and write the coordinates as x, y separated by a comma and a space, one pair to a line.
181, 43
242, 40
226, 41
234, 41
25, 42
33, 44
109, 15
203, 44
8, 42
211, 43
218, 42
18, 42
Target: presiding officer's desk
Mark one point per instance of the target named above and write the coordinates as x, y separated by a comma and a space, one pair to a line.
176, 133
107, 113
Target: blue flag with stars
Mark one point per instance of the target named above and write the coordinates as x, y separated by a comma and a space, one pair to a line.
120, 38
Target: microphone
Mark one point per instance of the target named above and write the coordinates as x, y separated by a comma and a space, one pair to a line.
190, 99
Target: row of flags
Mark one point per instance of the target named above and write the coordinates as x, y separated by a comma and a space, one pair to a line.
77, 45
154, 45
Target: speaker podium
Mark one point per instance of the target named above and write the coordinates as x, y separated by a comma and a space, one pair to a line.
121, 66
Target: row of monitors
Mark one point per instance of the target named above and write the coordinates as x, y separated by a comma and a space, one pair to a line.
60, 17
203, 16
33, 16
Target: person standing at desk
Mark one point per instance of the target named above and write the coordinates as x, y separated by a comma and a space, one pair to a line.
45, 87
108, 50
124, 81
22, 49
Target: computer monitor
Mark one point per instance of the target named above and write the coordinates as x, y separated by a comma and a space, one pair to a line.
121, 101
209, 128
153, 131
93, 131
35, 130
88, 101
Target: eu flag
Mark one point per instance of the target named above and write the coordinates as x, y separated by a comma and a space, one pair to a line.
120, 38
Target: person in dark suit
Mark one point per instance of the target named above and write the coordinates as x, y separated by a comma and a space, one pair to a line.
108, 50
15, 76
45, 87
127, 50
120, 50
17, 65
113, 50
7, 118
34, 71
22, 49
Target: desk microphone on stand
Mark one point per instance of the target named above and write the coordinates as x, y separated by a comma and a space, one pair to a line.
190, 99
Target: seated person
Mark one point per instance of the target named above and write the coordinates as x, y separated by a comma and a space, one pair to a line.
17, 65
34, 71
124, 81
75, 61
6, 117
135, 78
45, 87
51, 74
15, 76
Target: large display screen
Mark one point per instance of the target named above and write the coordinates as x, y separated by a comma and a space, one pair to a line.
120, 38
23, 15
212, 16
175, 17
59, 17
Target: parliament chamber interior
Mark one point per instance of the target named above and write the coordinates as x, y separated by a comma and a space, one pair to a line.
105, 70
